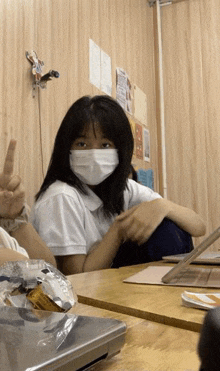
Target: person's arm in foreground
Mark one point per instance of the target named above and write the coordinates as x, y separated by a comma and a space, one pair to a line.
10, 255
12, 201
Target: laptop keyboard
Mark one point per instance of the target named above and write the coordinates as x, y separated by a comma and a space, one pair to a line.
194, 275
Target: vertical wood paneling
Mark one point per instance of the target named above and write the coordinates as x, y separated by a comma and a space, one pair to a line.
191, 46
59, 31
210, 30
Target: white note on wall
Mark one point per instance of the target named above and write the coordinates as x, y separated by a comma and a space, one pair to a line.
106, 73
140, 105
100, 72
94, 64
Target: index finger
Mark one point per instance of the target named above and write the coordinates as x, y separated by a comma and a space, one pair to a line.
9, 159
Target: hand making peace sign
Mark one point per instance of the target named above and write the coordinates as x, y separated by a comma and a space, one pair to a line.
12, 194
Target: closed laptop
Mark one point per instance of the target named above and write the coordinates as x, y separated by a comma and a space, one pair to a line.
39, 340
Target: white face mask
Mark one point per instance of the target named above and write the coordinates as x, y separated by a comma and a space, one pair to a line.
92, 166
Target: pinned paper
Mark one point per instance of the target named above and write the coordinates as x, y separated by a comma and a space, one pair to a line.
133, 127
146, 177
94, 64
100, 74
140, 105
106, 73
123, 90
139, 141
146, 145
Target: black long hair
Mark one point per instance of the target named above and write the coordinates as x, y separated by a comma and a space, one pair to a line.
106, 112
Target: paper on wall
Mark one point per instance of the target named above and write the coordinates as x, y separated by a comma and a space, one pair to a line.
146, 145
106, 73
94, 64
123, 90
100, 74
146, 177
140, 105
139, 141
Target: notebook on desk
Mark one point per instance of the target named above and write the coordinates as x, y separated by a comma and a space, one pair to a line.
40, 340
182, 274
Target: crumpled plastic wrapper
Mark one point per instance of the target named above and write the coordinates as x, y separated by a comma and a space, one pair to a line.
35, 284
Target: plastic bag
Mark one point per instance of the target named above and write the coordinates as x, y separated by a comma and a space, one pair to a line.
35, 284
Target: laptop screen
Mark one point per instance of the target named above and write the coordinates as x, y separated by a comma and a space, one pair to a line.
191, 256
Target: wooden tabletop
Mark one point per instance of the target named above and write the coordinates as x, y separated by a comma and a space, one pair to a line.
149, 346
106, 289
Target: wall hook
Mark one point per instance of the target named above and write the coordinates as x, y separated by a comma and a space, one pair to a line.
37, 68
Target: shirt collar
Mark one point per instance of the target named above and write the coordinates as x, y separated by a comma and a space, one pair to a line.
91, 200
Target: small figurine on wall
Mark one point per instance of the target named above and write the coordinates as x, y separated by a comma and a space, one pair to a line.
37, 67
37, 64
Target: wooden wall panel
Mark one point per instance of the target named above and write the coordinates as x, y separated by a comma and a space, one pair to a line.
59, 31
191, 45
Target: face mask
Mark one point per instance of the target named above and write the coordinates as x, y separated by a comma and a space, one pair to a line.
92, 166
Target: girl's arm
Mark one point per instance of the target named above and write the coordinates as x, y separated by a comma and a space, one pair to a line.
100, 257
10, 255
136, 224
140, 222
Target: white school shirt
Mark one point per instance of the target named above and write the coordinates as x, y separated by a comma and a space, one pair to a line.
71, 223
8, 242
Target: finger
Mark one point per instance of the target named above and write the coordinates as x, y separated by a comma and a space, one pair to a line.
18, 194
14, 183
6, 199
147, 233
126, 213
9, 159
142, 237
139, 236
7, 195
130, 232
11, 198
126, 224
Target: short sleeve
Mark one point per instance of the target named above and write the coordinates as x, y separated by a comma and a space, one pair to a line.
137, 193
59, 220
8, 242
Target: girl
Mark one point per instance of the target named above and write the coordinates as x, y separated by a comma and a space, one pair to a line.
87, 210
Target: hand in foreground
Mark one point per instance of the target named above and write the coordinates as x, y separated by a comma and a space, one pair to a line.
12, 194
139, 222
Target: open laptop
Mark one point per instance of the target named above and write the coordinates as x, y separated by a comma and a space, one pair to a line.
39, 340
212, 258
181, 274
190, 257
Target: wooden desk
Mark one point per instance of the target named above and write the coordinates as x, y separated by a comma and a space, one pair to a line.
149, 346
106, 289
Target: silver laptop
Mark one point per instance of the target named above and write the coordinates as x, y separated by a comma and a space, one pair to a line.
212, 258
40, 340
191, 257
